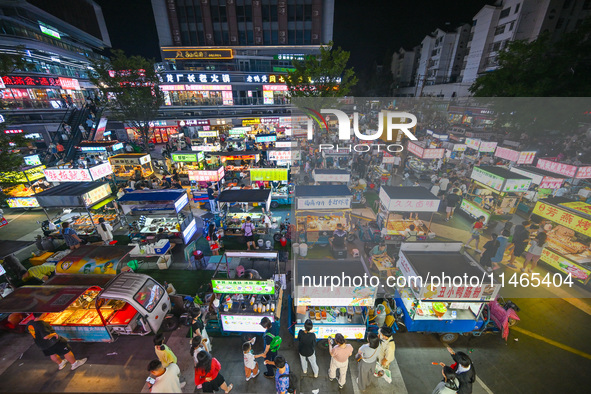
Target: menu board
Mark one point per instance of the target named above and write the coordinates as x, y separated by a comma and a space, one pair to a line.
32, 160
206, 175
268, 174
487, 178
487, 146
30, 174
474, 210
526, 157
324, 203
230, 286
473, 143
22, 202
324, 331
97, 194
566, 266
563, 217
244, 323
516, 185
186, 157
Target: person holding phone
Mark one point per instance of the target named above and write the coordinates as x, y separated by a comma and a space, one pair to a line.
165, 380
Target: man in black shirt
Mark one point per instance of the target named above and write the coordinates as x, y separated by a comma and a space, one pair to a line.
453, 199
52, 344
338, 237
306, 345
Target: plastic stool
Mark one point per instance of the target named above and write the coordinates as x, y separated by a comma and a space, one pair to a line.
114, 242
355, 252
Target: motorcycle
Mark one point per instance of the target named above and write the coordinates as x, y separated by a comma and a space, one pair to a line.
366, 233
284, 231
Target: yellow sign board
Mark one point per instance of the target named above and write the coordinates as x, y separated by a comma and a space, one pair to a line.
196, 53
30, 174
563, 217
579, 206
268, 174
563, 265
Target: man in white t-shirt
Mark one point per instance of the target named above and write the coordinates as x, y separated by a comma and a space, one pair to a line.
397, 161
444, 183
166, 379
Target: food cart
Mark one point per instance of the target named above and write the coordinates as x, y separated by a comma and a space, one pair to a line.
318, 210
233, 220
331, 176
151, 210
396, 202
244, 302
569, 240
546, 182
494, 191
93, 308
236, 162
187, 161
341, 309
125, 164
267, 177
446, 308
421, 162
21, 186
78, 199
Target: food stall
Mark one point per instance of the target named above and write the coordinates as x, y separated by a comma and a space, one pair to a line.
124, 165
395, 202
454, 150
494, 191
569, 240
187, 161
340, 309
318, 210
102, 149
151, 210
448, 309
336, 157
78, 199
331, 176
546, 182
236, 162
514, 156
21, 186
267, 177
93, 308
420, 163
233, 220
244, 302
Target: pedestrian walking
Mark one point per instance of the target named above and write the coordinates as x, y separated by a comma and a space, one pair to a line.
476, 232
70, 237
452, 202
197, 328
166, 379
386, 352
197, 345
534, 252
251, 367
450, 383
503, 240
366, 357
248, 229
306, 346
520, 239
435, 189
105, 230
208, 376
490, 250
53, 345
464, 370
163, 352
340, 351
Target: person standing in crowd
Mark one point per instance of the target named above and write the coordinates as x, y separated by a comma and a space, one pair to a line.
282, 369
167, 379
70, 237
464, 370
52, 345
387, 347
476, 232
208, 376
490, 250
450, 383
410, 234
251, 367
306, 346
268, 353
520, 239
367, 356
452, 202
435, 189
248, 229
105, 230
197, 328
443, 184
197, 345
212, 238
503, 240
163, 352
535, 251
340, 351
396, 164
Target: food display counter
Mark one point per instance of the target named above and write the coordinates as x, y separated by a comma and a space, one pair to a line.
150, 210
319, 209
395, 202
244, 302
494, 191
445, 308
569, 240
20, 186
341, 309
124, 165
228, 199
234, 220
93, 308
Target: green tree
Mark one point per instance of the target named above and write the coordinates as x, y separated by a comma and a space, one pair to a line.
542, 68
325, 75
130, 86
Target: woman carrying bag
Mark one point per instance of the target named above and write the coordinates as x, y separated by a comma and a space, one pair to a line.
197, 328
366, 358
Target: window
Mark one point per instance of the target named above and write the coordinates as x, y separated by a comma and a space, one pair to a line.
215, 13
517, 8
149, 295
474, 22
223, 16
511, 25
500, 30
559, 23
505, 13
566, 4
274, 13
587, 5
190, 14
265, 12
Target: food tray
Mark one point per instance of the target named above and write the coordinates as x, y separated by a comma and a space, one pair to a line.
61, 319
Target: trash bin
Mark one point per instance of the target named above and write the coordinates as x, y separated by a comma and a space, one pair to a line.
296, 248
303, 250
261, 243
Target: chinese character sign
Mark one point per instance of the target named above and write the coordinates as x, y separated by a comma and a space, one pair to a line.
486, 178
279, 154
557, 168
551, 183
324, 203
584, 173
268, 174
415, 149
473, 143
563, 217
67, 175
487, 146
101, 171
507, 154
526, 157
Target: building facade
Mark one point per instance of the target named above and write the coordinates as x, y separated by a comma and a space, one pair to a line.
404, 67
236, 52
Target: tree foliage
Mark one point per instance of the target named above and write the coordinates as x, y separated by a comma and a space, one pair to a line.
132, 88
326, 75
542, 68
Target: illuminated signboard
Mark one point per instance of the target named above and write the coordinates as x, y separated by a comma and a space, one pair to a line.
194, 122
196, 53
181, 203
13, 131
186, 157
30, 174
251, 121
290, 56
97, 194
232, 286
207, 134
275, 88
239, 130
189, 231
243, 323
487, 178
50, 31
474, 210
206, 175
22, 202
197, 78
117, 146
266, 138
32, 160
206, 148
69, 83
324, 331
268, 174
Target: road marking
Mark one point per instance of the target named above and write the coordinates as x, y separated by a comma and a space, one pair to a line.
552, 342
16, 217
484, 386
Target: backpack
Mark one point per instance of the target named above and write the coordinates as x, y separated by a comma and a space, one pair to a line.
293, 381
275, 342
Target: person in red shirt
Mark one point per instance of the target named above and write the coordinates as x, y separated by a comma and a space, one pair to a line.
476, 232
207, 374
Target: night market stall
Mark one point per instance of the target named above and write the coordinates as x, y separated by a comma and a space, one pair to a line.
237, 163
125, 164
421, 162
93, 308
243, 199
102, 149
318, 211
545, 181
277, 179
21, 186
494, 191
568, 226
161, 213
186, 162
342, 308
331, 176
243, 301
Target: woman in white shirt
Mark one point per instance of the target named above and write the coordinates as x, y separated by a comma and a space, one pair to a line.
534, 252
105, 230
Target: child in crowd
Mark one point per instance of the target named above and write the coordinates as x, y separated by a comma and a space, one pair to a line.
251, 367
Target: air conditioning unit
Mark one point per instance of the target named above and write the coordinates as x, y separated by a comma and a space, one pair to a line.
257, 29
233, 38
314, 13
208, 36
314, 36
282, 33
